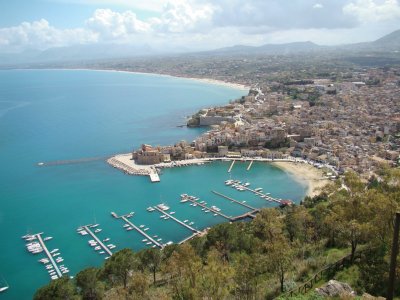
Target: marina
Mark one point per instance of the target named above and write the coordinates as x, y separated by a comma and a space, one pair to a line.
142, 232
217, 212
104, 247
236, 201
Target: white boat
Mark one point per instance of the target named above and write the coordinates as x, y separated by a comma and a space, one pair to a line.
106, 240
185, 221
101, 252
97, 230
191, 223
47, 238
215, 208
4, 288
129, 228
94, 225
207, 211
215, 215
145, 229
166, 218
141, 226
162, 206
184, 200
54, 277
160, 239
150, 209
144, 240
246, 184
112, 246
149, 243
59, 260
126, 225
97, 248
56, 254
54, 250
83, 232
162, 217
172, 212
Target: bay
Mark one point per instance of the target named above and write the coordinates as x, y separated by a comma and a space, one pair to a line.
48, 115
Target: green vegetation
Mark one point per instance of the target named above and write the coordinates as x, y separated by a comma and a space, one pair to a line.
261, 259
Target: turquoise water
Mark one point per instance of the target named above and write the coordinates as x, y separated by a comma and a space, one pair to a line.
48, 115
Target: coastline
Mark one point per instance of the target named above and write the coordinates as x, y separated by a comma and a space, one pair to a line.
306, 174
232, 85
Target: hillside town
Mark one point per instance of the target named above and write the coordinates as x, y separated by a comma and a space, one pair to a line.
348, 124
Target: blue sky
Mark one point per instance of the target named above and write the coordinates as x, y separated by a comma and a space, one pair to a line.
191, 24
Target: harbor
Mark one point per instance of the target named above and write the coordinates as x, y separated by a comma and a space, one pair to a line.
176, 220
49, 255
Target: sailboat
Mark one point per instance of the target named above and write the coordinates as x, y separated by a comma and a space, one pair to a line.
4, 288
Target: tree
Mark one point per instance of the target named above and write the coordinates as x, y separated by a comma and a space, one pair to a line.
151, 259
183, 268
119, 266
247, 268
216, 277
90, 287
268, 224
60, 289
280, 257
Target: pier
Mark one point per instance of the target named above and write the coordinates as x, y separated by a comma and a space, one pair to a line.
39, 237
86, 227
71, 161
251, 163
210, 209
235, 201
138, 230
177, 220
154, 177
189, 238
264, 196
230, 168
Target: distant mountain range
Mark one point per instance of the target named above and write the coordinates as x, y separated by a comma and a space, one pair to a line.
388, 43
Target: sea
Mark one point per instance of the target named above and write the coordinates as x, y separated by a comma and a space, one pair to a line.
63, 115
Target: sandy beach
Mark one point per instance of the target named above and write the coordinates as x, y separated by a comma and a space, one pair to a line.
306, 174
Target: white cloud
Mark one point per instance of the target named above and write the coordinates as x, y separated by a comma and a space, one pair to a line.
40, 35
318, 5
110, 25
183, 16
371, 11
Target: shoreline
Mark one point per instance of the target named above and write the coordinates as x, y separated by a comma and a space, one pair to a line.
306, 174
302, 172
232, 85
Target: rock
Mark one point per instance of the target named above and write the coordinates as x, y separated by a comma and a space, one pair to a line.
334, 289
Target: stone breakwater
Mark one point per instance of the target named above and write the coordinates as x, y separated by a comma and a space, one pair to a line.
128, 166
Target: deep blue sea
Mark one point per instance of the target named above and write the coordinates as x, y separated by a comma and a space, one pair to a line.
48, 115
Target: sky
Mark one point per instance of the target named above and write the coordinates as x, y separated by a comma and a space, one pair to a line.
193, 25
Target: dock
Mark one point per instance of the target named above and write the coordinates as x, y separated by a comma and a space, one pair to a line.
55, 266
86, 227
142, 232
235, 201
177, 220
154, 177
262, 195
230, 168
210, 209
189, 238
251, 163
71, 161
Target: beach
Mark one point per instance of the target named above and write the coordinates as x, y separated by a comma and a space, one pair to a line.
306, 174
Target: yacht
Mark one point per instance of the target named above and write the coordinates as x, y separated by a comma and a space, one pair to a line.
185, 221
172, 212
101, 252
126, 225
47, 238
129, 228
146, 229
258, 189
54, 277
246, 184
106, 240
215, 208
94, 225
144, 240
162, 206
149, 243
141, 226
191, 223
150, 209
97, 230
97, 248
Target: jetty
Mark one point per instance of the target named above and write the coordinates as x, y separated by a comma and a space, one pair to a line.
154, 177
235, 201
87, 228
71, 161
231, 166
251, 163
137, 229
48, 254
209, 208
177, 220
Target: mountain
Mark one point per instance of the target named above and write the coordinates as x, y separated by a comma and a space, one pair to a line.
288, 48
388, 42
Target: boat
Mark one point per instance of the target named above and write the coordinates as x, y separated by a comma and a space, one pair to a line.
94, 225
185, 221
56, 254
155, 236
129, 228
207, 211
153, 246
258, 189
184, 200
106, 240
54, 277
162, 217
126, 225
215, 208
4, 288
144, 240
150, 209
166, 218
246, 184
141, 226
191, 223
163, 207
97, 230
172, 212
47, 238
149, 243
215, 215
114, 214
101, 252
145, 229
97, 248
160, 239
